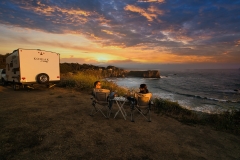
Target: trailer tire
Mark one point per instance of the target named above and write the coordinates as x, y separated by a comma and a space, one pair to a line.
42, 78
15, 86
3, 82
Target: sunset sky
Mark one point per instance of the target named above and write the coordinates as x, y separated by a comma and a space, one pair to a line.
131, 34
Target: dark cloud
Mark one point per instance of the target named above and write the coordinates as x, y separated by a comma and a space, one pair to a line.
184, 27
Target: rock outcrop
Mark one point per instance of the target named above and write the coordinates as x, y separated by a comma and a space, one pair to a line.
144, 74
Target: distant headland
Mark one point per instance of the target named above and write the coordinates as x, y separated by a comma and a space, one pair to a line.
109, 71
144, 74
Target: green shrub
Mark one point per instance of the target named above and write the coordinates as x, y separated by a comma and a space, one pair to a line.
79, 80
227, 121
114, 87
174, 110
85, 80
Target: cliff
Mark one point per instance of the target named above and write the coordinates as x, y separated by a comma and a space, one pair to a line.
144, 74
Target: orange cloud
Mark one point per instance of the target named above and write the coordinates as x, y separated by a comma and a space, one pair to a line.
150, 14
177, 36
95, 37
106, 31
182, 38
101, 20
42, 8
237, 43
154, 9
113, 33
225, 53
72, 16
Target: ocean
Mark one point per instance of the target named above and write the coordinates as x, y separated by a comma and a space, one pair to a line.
204, 90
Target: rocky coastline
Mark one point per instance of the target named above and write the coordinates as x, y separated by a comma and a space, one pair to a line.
144, 74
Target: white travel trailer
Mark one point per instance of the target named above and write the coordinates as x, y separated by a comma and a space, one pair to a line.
32, 66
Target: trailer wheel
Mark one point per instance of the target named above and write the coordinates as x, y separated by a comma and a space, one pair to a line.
3, 82
42, 78
15, 86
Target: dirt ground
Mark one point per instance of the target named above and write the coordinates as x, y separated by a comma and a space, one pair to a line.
55, 124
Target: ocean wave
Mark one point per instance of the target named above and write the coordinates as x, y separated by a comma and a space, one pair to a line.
208, 108
208, 98
163, 76
236, 91
200, 97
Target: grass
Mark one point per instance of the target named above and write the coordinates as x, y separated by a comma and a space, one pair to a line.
228, 121
84, 80
79, 80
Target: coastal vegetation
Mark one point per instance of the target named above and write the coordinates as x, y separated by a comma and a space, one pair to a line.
227, 121
109, 71
83, 80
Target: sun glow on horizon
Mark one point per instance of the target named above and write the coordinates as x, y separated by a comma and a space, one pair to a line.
102, 59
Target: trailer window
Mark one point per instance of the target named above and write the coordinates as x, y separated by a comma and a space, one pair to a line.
3, 71
15, 70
